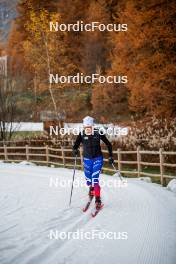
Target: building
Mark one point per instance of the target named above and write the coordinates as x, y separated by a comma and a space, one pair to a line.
51, 118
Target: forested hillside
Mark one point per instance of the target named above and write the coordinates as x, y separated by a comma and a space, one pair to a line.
145, 53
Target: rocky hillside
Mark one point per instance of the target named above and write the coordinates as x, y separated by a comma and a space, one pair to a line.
7, 14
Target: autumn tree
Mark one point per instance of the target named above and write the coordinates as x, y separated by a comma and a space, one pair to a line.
8, 108
18, 33
109, 101
145, 53
72, 11
45, 50
95, 52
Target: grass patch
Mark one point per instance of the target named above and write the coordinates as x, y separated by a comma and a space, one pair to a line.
26, 134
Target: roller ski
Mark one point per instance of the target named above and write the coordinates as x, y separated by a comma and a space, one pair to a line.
98, 207
91, 196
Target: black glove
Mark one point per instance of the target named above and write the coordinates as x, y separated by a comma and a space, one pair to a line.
75, 152
111, 160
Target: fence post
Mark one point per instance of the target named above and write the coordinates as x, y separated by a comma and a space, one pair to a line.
5, 152
81, 156
138, 161
161, 157
119, 159
27, 152
47, 155
63, 155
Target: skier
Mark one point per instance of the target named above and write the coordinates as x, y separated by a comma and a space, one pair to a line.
92, 157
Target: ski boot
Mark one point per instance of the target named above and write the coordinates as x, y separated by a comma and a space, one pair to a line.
91, 193
98, 203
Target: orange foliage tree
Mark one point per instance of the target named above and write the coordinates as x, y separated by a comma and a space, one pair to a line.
145, 53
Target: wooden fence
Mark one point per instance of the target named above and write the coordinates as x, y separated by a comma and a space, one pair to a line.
37, 142
63, 157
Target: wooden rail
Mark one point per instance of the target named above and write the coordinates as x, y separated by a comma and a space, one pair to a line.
59, 156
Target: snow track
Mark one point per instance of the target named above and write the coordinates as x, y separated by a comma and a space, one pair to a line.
30, 209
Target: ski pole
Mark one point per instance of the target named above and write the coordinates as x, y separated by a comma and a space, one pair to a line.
73, 180
117, 171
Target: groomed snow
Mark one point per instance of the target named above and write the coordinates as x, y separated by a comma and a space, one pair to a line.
25, 162
31, 206
172, 185
24, 126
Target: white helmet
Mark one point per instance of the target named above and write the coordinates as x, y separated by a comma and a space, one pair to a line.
88, 121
